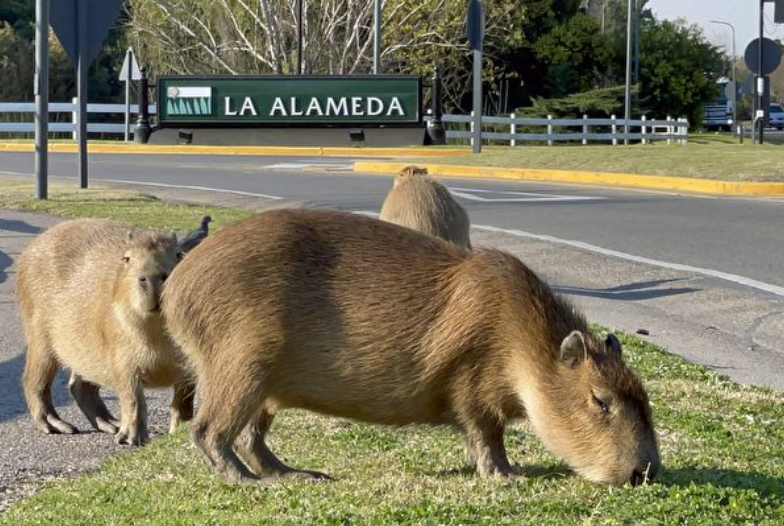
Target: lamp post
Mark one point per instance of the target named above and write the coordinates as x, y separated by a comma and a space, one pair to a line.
734, 78
628, 97
299, 36
377, 37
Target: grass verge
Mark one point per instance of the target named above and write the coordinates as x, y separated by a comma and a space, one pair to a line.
722, 446
705, 156
123, 205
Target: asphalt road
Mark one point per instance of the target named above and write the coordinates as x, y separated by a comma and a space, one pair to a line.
742, 237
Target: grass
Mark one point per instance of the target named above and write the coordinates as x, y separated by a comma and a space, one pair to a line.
706, 156
124, 205
722, 446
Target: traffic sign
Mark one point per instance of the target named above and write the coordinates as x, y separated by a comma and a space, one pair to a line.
130, 67
65, 17
771, 56
475, 25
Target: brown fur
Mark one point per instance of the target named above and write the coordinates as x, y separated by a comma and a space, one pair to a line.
84, 307
420, 203
354, 317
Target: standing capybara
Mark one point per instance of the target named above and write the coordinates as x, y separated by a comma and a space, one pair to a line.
354, 317
89, 294
420, 203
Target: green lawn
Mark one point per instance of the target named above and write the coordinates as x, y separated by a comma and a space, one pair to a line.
722, 447
706, 156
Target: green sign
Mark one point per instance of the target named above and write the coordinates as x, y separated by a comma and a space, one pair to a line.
288, 100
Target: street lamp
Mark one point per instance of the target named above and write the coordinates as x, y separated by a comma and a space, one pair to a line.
628, 97
734, 78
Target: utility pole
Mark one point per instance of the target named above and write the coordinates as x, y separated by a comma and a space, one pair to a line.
377, 37
628, 98
299, 37
41, 89
760, 76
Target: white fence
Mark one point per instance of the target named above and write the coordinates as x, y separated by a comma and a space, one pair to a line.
56, 126
585, 130
495, 129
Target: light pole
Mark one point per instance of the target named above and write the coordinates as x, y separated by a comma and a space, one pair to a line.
734, 78
628, 98
377, 37
299, 36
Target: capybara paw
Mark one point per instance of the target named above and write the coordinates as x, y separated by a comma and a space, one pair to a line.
131, 438
52, 425
107, 426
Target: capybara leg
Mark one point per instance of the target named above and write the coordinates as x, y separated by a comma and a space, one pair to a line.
486, 443
253, 449
217, 450
133, 419
182, 404
40, 370
88, 398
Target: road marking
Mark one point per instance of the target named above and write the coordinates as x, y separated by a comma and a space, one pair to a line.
740, 280
469, 193
310, 166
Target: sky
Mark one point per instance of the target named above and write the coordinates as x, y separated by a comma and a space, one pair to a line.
743, 14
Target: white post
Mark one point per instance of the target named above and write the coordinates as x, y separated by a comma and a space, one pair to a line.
74, 116
585, 129
512, 130
644, 130
472, 128
550, 130
669, 130
614, 130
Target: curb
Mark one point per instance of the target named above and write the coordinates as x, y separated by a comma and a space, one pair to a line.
654, 182
132, 148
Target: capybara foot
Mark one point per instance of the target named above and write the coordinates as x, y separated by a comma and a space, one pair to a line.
132, 437
305, 475
53, 425
110, 426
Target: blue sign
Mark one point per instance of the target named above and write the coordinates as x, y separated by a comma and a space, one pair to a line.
65, 17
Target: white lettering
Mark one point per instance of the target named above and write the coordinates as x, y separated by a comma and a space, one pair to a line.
340, 108
356, 107
278, 106
294, 111
395, 106
314, 108
247, 106
375, 106
228, 111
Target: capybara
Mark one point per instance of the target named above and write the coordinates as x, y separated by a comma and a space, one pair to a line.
89, 294
418, 202
358, 318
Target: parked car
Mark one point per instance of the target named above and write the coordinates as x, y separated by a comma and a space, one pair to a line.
776, 118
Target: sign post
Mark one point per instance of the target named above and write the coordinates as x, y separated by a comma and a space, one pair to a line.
41, 89
763, 57
476, 33
128, 73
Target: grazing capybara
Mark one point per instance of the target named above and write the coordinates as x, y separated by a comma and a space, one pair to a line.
89, 294
358, 318
420, 203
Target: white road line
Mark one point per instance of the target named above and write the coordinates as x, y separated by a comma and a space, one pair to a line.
468, 193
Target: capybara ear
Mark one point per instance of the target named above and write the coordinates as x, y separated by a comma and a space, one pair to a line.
127, 257
574, 349
171, 238
129, 237
612, 344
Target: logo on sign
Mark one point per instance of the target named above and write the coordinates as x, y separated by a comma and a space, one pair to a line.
189, 101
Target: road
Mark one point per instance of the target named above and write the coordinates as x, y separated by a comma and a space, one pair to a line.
701, 275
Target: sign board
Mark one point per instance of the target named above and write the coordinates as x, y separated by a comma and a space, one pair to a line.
266, 100
475, 24
771, 56
778, 12
130, 68
65, 17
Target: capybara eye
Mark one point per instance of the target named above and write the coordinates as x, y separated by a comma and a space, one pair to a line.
143, 281
164, 276
601, 403
126, 259
180, 255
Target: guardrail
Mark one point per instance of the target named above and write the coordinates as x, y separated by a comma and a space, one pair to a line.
59, 126
583, 130
459, 127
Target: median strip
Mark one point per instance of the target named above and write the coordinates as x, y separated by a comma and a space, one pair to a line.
654, 182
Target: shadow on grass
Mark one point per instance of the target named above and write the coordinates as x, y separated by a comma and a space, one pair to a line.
526, 471
764, 485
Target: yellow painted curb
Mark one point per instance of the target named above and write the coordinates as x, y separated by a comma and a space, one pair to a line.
655, 182
132, 148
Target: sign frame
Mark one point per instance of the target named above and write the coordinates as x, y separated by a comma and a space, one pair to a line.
218, 122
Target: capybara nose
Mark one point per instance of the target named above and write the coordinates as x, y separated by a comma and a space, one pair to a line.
637, 478
644, 475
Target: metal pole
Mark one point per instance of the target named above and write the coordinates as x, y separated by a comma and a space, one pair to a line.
377, 38
761, 92
477, 101
81, 76
628, 99
41, 89
129, 61
143, 130
299, 37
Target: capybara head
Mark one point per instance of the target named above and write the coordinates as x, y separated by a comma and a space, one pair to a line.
148, 260
407, 173
596, 415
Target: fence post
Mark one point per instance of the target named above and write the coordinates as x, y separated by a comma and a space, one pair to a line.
644, 130
585, 129
472, 128
669, 130
74, 117
513, 130
549, 130
614, 130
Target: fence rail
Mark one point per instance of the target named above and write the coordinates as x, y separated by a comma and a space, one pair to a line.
512, 129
